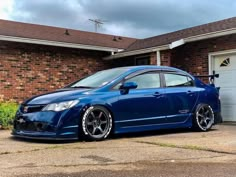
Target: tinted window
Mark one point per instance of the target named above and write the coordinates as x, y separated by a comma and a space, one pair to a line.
175, 80
147, 80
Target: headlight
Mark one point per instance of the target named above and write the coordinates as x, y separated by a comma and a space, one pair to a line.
60, 106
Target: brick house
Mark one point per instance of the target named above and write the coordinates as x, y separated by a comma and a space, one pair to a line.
36, 58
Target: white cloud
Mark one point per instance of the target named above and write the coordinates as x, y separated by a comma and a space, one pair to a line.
6, 8
131, 18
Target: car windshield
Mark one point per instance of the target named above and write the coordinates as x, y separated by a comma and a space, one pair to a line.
98, 79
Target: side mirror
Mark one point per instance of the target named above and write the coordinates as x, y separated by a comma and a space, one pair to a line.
125, 87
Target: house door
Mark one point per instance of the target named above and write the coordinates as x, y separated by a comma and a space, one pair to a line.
225, 65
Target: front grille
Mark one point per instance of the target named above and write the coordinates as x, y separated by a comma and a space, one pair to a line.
31, 108
31, 126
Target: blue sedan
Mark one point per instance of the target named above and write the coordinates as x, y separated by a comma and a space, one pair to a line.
120, 100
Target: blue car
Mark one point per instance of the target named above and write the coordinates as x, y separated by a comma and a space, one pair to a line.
120, 100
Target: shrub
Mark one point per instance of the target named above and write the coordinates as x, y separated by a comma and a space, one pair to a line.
7, 114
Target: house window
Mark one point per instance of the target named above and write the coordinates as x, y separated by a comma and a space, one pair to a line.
225, 62
142, 60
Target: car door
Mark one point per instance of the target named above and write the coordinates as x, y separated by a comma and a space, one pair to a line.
181, 96
144, 105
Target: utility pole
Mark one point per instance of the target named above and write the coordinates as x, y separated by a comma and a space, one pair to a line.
97, 23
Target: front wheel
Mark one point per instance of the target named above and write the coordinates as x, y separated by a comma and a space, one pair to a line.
96, 123
203, 118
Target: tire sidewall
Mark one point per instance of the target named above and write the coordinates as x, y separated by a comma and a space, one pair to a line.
83, 123
196, 124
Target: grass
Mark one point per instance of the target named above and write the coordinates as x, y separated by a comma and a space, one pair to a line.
7, 114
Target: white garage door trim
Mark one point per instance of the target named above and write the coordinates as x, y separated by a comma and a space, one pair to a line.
228, 102
213, 54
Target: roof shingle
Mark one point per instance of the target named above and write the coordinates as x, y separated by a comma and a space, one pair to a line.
177, 35
41, 32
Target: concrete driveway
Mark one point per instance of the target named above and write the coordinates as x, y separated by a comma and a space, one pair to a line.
160, 150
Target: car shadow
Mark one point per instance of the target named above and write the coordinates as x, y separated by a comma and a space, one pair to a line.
157, 133
113, 137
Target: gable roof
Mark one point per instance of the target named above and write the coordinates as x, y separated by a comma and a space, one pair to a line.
125, 46
185, 33
56, 34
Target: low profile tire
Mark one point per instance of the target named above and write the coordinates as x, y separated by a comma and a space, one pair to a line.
96, 123
203, 118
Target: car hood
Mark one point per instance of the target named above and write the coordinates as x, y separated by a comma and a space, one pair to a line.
57, 96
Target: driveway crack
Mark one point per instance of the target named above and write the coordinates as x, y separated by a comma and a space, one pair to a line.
189, 147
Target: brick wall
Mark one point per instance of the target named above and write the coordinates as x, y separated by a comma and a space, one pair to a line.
193, 57
153, 58
166, 57
27, 69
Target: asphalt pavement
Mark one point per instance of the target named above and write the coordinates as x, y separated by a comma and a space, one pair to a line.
159, 153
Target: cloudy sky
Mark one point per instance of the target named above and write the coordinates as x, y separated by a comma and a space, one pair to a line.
133, 18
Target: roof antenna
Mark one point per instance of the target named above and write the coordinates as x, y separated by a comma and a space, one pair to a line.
97, 23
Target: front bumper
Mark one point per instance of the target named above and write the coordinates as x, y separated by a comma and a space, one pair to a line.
40, 135
47, 124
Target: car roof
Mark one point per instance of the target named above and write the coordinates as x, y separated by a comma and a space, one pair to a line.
150, 67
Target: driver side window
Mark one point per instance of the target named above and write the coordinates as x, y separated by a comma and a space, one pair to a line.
145, 81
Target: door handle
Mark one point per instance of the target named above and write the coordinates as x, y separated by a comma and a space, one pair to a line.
190, 93
157, 94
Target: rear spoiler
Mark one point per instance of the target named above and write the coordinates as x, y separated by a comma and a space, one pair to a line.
211, 77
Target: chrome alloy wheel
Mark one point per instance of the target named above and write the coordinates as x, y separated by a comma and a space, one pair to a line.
97, 123
204, 117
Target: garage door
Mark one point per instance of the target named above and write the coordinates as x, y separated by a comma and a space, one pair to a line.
225, 65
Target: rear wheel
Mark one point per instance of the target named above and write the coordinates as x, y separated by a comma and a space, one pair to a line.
96, 123
203, 118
